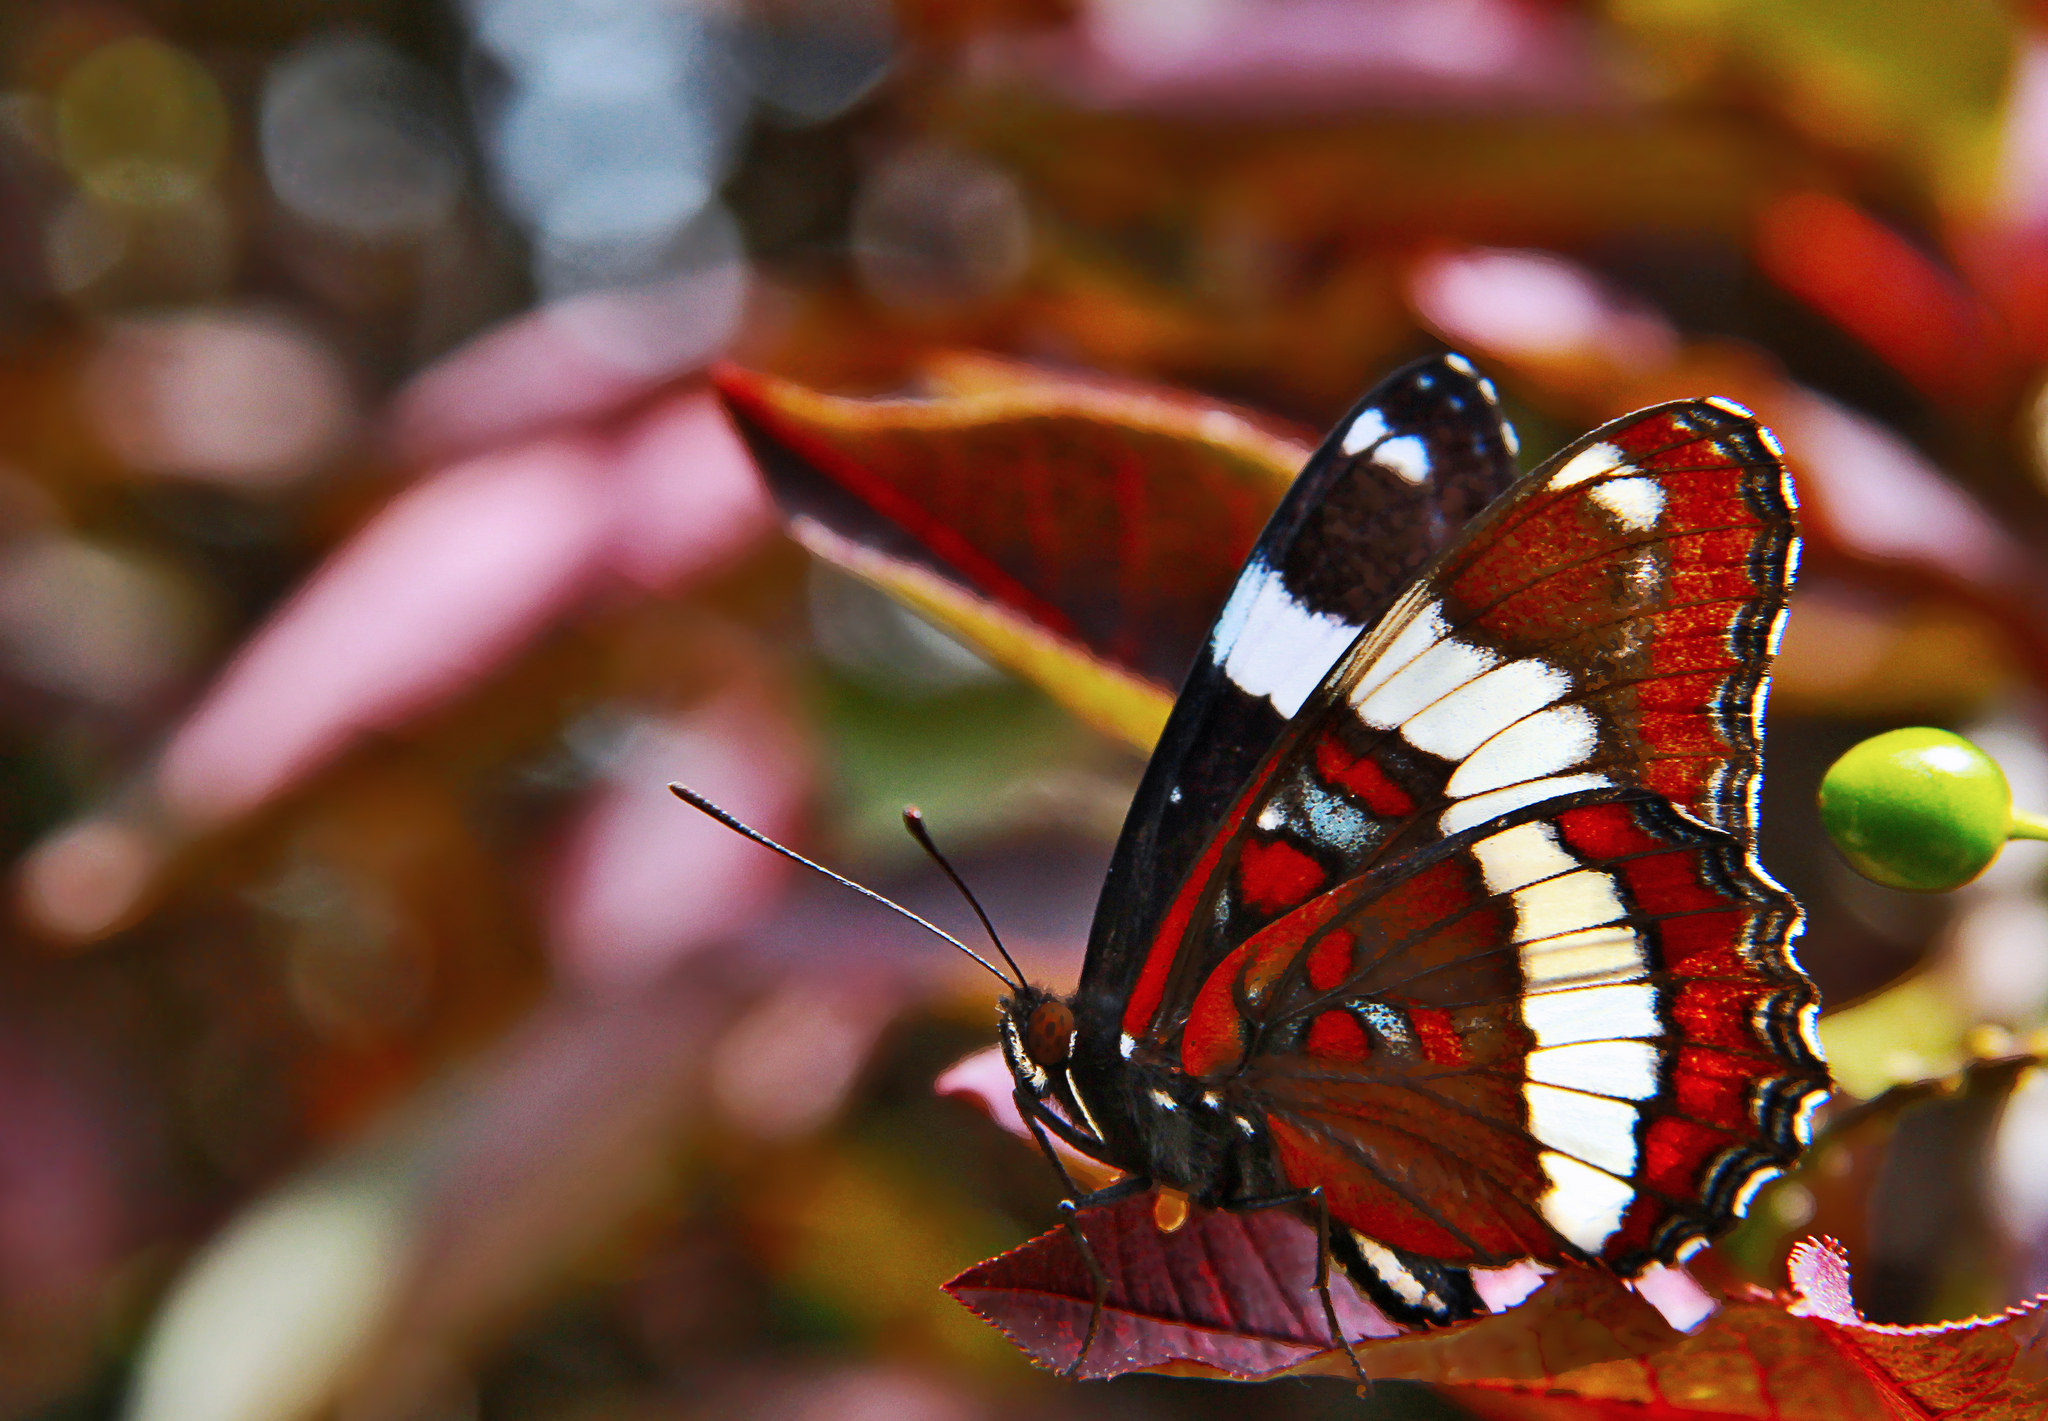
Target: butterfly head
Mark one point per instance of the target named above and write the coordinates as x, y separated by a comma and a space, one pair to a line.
1038, 1037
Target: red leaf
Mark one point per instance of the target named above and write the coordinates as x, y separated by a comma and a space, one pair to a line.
1229, 1291
1812, 1359
1983, 1369
1232, 1295
1082, 532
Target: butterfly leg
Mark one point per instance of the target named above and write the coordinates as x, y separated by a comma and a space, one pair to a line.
1323, 1288
1321, 1202
1070, 1208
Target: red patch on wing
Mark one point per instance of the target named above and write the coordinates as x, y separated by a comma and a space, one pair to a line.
1644, 438
1357, 1198
1151, 983
1361, 776
1605, 831
1686, 782
1689, 691
1275, 876
1442, 1043
1329, 961
1713, 1086
1706, 945
1336, 1035
1716, 1013
1676, 1152
1214, 1037
1669, 883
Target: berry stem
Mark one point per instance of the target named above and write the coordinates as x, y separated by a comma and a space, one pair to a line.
2027, 826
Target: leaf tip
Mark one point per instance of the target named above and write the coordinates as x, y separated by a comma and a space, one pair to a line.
1819, 1273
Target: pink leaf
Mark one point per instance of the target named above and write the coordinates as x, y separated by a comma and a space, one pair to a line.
437, 589
644, 879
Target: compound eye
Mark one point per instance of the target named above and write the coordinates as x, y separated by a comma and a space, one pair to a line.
1049, 1035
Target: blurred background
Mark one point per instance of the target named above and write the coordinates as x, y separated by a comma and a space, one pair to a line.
378, 1039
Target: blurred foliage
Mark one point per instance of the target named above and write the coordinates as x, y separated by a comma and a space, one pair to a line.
378, 1037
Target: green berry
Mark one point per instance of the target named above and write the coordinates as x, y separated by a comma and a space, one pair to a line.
1919, 809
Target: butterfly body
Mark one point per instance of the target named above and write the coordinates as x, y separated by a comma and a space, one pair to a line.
1437, 912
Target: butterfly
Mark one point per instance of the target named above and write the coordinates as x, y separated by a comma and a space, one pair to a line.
1436, 917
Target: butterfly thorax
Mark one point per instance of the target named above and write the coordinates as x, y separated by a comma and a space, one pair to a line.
1142, 1115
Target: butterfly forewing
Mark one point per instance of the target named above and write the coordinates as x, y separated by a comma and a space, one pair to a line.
1397, 480
1484, 942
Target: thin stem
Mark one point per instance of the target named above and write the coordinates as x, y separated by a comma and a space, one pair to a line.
2027, 826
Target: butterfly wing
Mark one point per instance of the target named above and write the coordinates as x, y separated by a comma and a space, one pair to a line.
1484, 946
1418, 457
1574, 1030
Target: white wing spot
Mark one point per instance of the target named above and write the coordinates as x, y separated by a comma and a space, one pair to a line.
1728, 406
1511, 439
1619, 1012
1472, 714
1481, 807
1591, 1128
1270, 645
1406, 456
1569, 903
1588, 463
1543, 744
1521, 855
1584, 959
1636, 504
1422, 631
1626, 1070
1460, 364
1381, 1260
1423, 682
1582, 1203
1367, 430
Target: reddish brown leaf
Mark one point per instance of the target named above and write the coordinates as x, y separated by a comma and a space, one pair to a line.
1232, 1295
1812, 1358
1983, 1369
1228, 1291
1082, 532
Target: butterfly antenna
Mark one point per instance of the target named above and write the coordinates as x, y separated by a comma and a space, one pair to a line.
748, 831
913, 820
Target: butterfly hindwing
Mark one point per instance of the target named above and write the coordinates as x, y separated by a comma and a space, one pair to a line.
1575, 1030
